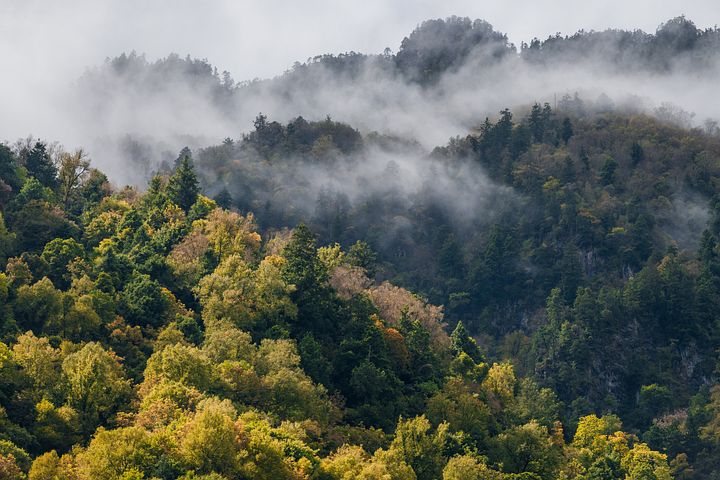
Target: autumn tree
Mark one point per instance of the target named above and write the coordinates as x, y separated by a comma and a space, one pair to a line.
74, 168
96, 384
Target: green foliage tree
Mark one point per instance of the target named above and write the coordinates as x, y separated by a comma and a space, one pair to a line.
59, 255
96, 384
567, 131
421, 449
183, 186
38, 305
39, 165
143, 302
607, 171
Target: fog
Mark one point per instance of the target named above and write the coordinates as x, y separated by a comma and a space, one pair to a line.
46, 47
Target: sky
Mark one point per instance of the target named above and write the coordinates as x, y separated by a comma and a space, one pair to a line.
254, 38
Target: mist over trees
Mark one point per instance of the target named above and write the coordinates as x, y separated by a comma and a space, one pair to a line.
443, 78
535, 297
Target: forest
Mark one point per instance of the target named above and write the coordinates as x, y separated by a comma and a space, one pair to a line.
535, 299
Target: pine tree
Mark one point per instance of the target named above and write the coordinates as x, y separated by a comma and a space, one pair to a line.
463, 342
183, 186
361, 255
307, 273
637, 154
224, 199
567, 130
303, 269
40, 165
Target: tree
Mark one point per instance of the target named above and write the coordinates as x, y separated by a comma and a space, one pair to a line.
224, 342
591, 426
7, 241
346, 462
80, 321
253, 300
59, 254
306, 272
10, 182
361, 255
211, 439
143, 302
459, 405
351, 461
607, 171
314, 362
95, 186
567, 131
13, 460
185, 364
38, 305
643, 463
39, 164
56, 427
9, 469
294, 396
229, 233
74, 168
183, 186
570, 273
39, 361
46, 467
528, 448
223, 198
450, 259
499, 386
35, 219
467, 467
537, 123
463, 342
420, 448
653, 401
116, 454
185, 152
535, 403
96, 384
637, 154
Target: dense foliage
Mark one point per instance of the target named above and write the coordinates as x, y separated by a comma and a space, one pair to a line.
575, 250
158, 335
597, 278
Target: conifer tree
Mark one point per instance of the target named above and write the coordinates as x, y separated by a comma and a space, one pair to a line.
183, 186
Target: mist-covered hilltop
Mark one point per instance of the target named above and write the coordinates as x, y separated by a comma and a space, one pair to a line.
446, 76
461, 260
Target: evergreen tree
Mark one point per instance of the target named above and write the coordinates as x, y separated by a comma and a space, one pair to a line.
567, 130
183, 186
8, 169
463, 342
607, 172
361, 255
224, 199
39, 164
307, 273
637, 154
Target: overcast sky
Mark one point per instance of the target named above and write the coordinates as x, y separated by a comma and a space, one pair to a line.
260, 38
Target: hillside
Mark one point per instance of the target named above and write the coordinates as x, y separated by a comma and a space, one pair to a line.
537, 297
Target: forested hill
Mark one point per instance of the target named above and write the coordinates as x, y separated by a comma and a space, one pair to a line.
201, 339
434, 48
159, 335
536, 298
445, 76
